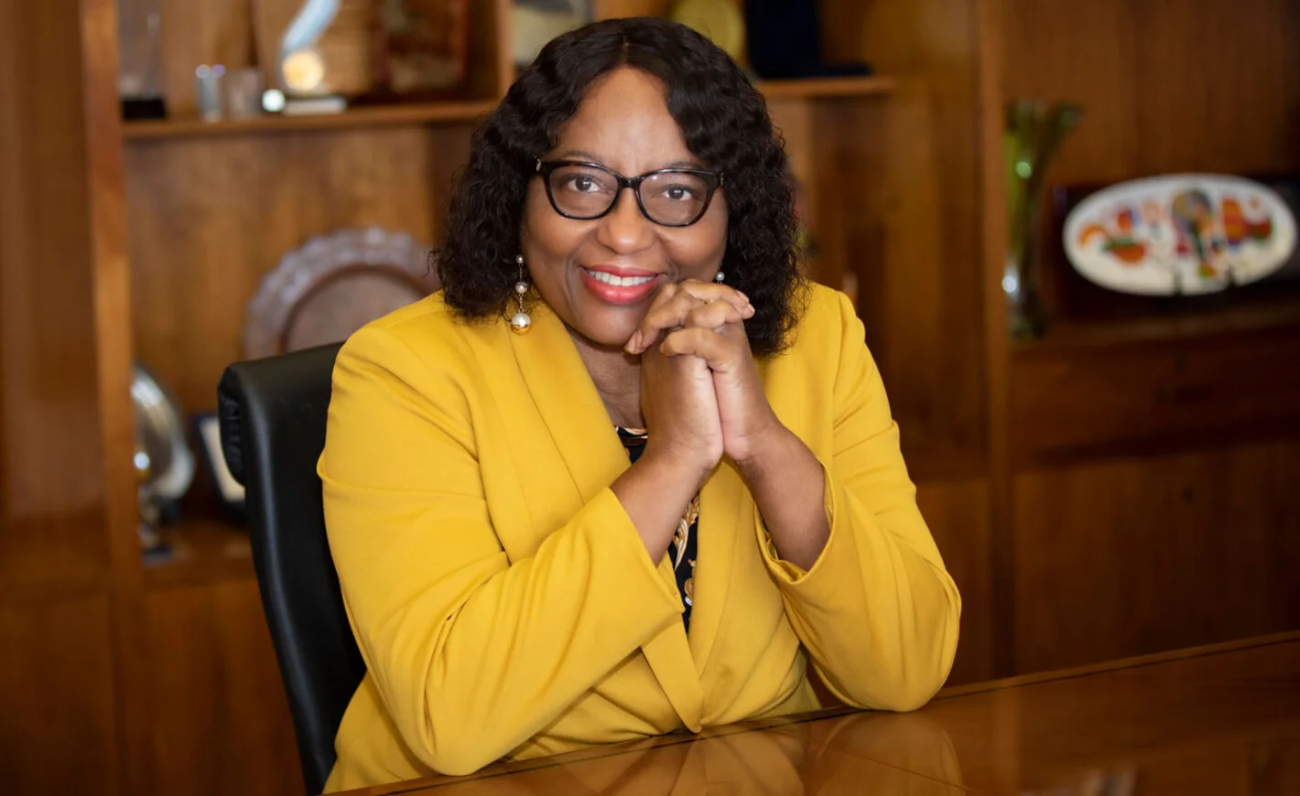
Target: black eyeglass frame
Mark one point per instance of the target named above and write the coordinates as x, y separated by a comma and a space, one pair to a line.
713, 179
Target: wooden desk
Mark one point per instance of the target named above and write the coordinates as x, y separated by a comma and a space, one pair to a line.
1215, 720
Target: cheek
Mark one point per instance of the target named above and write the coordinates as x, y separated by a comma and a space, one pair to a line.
700, 251
545, 237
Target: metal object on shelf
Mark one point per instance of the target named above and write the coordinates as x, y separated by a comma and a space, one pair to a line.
163, 461
212, 105
333, 285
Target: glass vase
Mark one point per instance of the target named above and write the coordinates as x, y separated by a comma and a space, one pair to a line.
1034, 132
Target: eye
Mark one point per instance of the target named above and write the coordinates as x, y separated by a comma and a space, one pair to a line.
580, 182
679, 193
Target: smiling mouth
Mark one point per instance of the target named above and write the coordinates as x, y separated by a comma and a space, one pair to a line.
618, 281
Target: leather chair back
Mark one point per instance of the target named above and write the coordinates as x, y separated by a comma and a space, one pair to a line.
272, 414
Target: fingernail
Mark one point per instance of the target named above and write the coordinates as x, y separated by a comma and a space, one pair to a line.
634, 343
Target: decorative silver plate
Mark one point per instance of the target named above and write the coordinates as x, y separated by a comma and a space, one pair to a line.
333, 285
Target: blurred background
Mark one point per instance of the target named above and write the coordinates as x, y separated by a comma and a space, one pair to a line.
1098, 382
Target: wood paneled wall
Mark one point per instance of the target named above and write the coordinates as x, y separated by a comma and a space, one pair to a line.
48, 413
911, 211
1135, 555
924, 293
1155, 480
957, 513
61, 730
220, 723
1193, 85
210, 217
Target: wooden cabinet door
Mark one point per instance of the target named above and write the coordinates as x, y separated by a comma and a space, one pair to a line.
221, 721
57, 725
957, 513
1132, 556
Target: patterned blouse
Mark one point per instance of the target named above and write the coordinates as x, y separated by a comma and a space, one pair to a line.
682, 550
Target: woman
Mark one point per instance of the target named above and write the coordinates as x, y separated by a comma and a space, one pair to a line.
626, 474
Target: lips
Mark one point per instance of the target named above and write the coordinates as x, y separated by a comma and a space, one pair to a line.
619, 285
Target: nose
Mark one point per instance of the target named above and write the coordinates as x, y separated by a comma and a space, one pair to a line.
624, 229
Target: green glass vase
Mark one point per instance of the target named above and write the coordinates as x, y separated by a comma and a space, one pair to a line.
1034, 132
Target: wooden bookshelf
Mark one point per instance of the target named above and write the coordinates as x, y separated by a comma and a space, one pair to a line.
450, 112
202, 549
827, 87
358, 117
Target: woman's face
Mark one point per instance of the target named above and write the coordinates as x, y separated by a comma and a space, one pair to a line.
622, 124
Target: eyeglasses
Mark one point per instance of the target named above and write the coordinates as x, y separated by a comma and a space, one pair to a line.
668, 197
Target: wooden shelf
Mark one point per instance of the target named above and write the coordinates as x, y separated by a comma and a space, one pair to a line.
203, 550
826, 87
460, 111
364, 116
1253, 317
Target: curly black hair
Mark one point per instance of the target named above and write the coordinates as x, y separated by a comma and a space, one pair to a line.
724, 122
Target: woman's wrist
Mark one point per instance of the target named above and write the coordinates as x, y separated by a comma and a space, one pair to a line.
766, 452
655, 491
788, 486
685, 468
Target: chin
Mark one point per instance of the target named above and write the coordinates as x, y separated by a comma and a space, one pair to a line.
603, 331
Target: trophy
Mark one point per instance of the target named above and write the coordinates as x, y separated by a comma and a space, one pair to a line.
321, 56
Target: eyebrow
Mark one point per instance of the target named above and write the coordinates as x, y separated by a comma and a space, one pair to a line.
579, 154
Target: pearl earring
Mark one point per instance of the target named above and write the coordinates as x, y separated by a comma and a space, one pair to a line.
719, 277
520, 323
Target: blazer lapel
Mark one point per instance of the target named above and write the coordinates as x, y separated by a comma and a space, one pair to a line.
728, 516
726, 512
566, 398
583, 433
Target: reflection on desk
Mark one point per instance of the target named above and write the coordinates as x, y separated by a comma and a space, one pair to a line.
1221, 720
909, 754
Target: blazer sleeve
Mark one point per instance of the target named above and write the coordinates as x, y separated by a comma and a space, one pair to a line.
472, 653
877, 612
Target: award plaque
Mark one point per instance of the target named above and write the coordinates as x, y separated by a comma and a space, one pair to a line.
423, 46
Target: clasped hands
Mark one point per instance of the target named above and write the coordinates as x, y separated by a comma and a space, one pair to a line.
700, 390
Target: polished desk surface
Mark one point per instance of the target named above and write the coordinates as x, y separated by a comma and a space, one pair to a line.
1213, 720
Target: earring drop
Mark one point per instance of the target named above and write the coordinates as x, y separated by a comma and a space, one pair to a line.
719, 277
520, 323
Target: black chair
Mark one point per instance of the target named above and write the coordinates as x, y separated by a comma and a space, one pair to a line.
272, 414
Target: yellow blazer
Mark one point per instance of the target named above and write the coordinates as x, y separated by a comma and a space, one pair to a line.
504, 603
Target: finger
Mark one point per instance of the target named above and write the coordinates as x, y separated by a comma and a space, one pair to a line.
671, 305
669, 313
662, 296
713, 315
713, 291
719, 352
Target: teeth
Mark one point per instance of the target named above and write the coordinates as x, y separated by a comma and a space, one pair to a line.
619, 281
